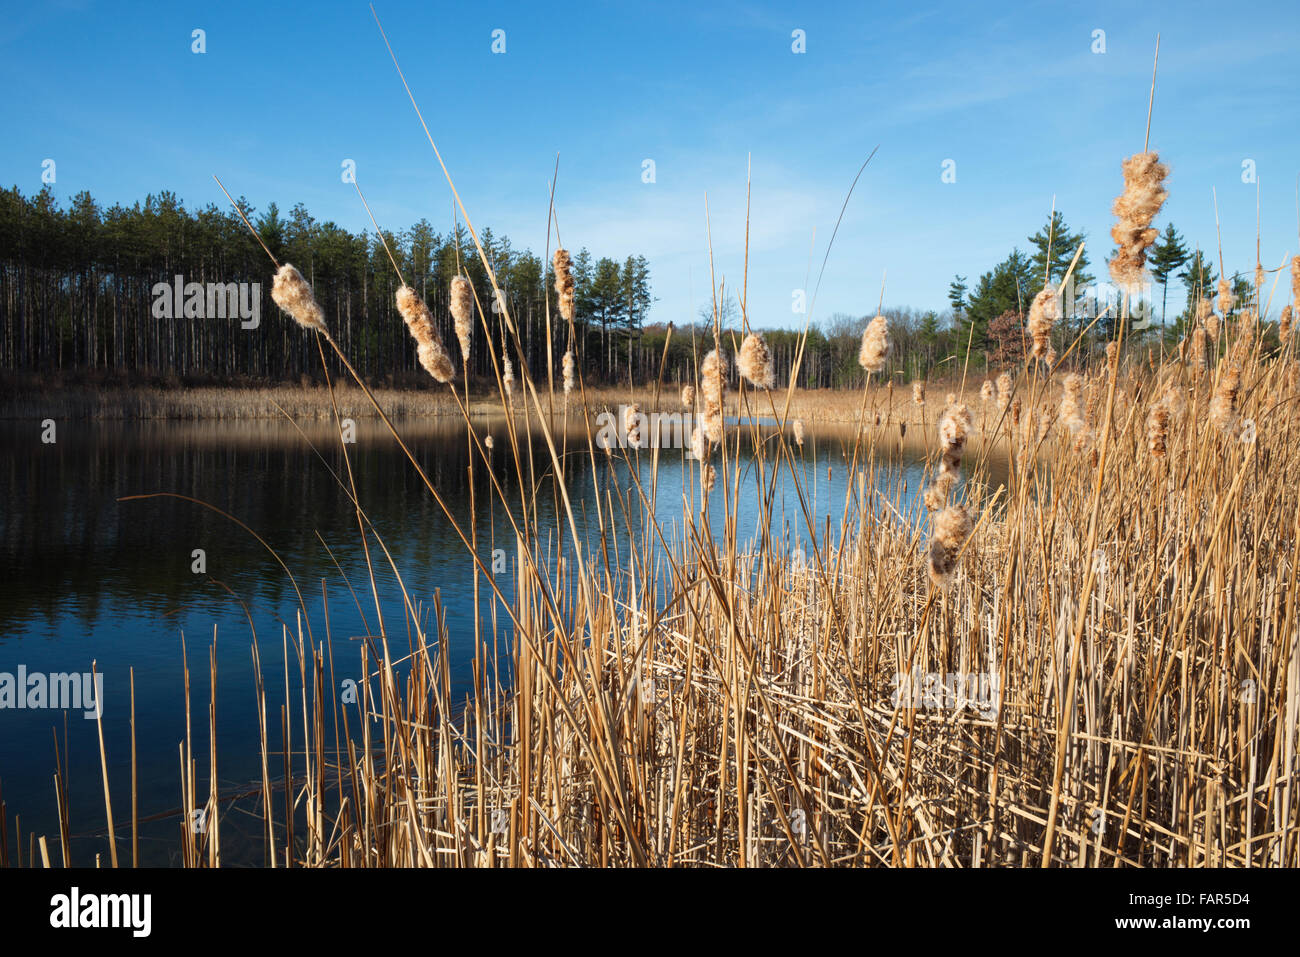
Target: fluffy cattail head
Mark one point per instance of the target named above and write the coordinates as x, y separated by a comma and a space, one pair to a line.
1212, 325
754, 362
918, 393
1225, 299
875, 345
1043, 312
1295, 280
987, 392
433, 357
1005, 385
1073, 415
567, 366
688, 396
952, 527
507, 375
1284, 324
1157, 430
1196, 352
936, 496
564, 284
291, 293
797, 428
1134, 210
462, 309
954, 427
632, 425
1223, 407
699, 444
708, 475
713, 378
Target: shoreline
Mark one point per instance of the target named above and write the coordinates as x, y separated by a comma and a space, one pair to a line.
244, 402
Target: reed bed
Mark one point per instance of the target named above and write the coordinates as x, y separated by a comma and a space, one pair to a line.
646, 695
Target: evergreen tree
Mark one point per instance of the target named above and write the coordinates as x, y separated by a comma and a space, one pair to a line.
1167, 255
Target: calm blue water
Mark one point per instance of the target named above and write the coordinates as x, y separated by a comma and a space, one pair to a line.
86, 578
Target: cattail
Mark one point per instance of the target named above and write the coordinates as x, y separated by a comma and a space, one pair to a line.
567, 367
1223, 407
1295, 280
699, 444
713, 377
1225, 299
797, 428
1212, 326
987, 392
1245, 333
1015, 411
1043, 312
688, 396
875, 345
507, 375
462, 308
936, 496
1284, 324
1157, 430
1259, 279
954, 426
712, 423
1134, 210
1196, 352
952, 527
632, 425
428, 343
918, 393
1203, 310
291, 293
754, 362
1072, 405
564, 284
708, 475
488, 442
1004, 391
1112, 352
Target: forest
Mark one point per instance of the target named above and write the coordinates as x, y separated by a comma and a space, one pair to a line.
80, 293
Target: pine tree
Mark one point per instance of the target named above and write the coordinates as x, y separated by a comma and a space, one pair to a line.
1167, 255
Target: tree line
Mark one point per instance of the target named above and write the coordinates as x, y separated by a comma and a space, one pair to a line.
81, 291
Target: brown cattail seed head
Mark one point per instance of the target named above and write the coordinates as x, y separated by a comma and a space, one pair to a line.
952, 527
699, 444
433, 357
1043, 312
462, 308
1157, 430
291, 293
1284, 324
875, 345
567, 366
507, 375
1004, 390
954, 427
1072, 405
1225, 299
562, 262
708, 475
1295, 280
797, 428
1134, 210
918, 393
754, 362
632, 425
713, 378
1223, 407
987, 392
688, 396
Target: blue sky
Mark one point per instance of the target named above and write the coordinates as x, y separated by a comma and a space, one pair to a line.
1016, 98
